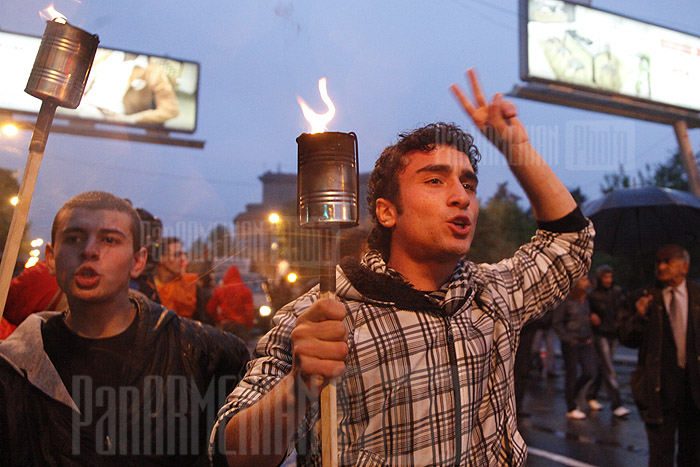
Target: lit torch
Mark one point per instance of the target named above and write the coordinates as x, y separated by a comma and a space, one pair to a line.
58, 77
327, 185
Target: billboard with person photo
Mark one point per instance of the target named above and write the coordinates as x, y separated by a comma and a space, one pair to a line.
125, 88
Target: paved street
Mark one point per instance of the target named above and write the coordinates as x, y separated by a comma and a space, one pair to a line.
599, 440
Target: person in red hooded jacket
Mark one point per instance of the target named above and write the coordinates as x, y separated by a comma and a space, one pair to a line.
231, 306
6, 328
33, 290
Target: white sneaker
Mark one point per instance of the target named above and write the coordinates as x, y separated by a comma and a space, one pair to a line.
594, 404
576, 414
621, 411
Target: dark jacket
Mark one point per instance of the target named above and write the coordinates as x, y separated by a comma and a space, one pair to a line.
175, 381
605, 303
571, 321
646, 334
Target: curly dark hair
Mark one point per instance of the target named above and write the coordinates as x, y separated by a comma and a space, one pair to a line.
384, 179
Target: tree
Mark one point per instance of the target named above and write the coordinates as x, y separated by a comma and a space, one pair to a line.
615, 181
501, 228
578, 196
9, 188
668, 174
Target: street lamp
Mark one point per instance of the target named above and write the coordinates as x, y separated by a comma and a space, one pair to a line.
274, 219
10, 130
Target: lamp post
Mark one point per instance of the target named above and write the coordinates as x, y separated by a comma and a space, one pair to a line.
274, 219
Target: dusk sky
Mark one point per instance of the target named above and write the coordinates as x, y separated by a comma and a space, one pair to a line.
388, 64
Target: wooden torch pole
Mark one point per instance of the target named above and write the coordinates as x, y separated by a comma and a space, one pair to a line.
329, 408
26, 191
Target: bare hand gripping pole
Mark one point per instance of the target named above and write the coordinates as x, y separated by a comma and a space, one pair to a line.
58, 78
327, 185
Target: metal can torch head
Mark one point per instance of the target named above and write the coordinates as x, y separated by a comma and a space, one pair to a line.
62, 64
327, 180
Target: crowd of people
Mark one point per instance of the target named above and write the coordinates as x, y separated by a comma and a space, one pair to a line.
164, 280
586, 324
140, 364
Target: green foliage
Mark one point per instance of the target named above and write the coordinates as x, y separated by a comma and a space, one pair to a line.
9, 188
501, 228
668, 174
578, 196
615, 181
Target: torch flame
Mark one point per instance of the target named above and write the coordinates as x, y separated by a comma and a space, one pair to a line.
51, 14
318, 122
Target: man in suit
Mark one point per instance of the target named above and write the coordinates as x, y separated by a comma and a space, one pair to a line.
664, 323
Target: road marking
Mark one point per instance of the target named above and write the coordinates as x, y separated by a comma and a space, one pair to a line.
557, 458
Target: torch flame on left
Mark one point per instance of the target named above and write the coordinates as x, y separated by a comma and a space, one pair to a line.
318, 122
51, 14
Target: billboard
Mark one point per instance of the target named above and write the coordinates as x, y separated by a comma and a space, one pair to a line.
598, 51
124, 88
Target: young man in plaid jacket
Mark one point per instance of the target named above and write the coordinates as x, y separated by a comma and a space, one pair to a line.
422, 339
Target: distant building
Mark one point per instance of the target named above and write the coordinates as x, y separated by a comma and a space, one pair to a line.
265, 244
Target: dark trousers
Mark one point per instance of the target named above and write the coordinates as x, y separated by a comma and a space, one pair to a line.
605, 349
662, 437
575, 355
521, 367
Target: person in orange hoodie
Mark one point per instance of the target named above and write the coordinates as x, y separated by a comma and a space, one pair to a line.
231, 306
178, 289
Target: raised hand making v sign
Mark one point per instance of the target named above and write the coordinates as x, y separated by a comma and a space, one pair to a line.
498, 121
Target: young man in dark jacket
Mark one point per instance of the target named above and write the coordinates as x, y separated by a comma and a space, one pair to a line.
664, 323
115, 379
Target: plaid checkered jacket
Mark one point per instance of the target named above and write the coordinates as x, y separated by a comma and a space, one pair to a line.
429, 378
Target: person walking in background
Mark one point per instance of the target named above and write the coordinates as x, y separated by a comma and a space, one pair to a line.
605, 301
664, 323
178, 289
231, 306
151, 228
545, 357
572, 324
523, 359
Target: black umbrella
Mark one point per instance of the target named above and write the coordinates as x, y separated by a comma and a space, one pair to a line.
637, 219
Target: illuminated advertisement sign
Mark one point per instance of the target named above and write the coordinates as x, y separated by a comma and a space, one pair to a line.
124, 88
596, 50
